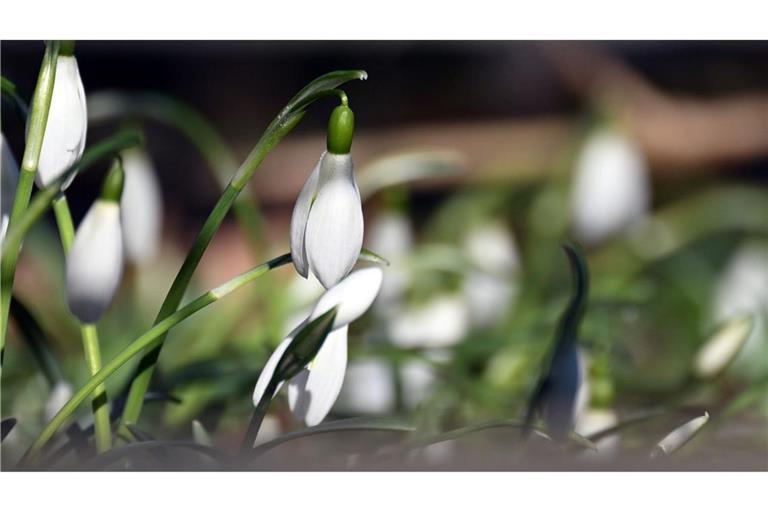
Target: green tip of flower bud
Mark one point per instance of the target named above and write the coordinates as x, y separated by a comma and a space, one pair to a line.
112, 188
341, 127
66, 48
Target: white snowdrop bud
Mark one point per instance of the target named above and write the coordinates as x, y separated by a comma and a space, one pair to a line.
65, 131
327, 221
95, 263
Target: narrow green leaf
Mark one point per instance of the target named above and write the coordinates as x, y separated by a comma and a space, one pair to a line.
37, 341
11, 94
369, 255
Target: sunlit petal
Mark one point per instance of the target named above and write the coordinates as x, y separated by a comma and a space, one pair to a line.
334, 234
299, 221
353, 296
312, 393
67, 124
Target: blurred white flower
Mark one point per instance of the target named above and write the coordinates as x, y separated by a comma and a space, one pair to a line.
142, 206
417, 378
10, 176
65, 131
442, 322
392, 236
312, 392
611, 188
327, 221
60, 395
742, 289
490, 287
95, 263
369, 388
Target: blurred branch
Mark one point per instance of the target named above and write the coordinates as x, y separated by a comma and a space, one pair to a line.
679, 132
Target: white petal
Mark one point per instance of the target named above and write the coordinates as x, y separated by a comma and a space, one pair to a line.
722, 347
269, 368
10, 176
299, 220
312, 393
681, 435
334, 234
353, 296
67, 124
611, 187
142, 208
95, 264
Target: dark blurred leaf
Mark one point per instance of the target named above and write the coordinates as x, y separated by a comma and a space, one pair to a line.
6, 426
37, 341
105, 459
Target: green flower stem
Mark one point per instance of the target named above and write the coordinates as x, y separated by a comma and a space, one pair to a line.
38, 118
147, 341
280, 126
89, 334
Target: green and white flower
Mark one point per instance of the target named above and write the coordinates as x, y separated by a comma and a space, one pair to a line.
67, 124
312, 392
95, 263
327, 221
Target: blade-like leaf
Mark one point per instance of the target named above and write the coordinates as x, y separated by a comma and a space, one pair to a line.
369, 255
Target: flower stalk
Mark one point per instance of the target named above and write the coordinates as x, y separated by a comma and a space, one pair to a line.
38, 118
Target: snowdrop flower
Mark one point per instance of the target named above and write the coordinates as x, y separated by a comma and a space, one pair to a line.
611, 188
327, 221
67, 124
442, 322
312, 392
10, 176
95, 263
142, 208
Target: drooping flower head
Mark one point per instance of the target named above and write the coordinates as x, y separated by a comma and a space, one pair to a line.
312, 392
64, 139
95, 263
327, 221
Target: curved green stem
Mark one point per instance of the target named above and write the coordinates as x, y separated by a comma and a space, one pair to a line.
280, 126
38, 118
147, 341
100, 404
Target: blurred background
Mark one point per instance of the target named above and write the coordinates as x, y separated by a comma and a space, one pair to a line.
475, 160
